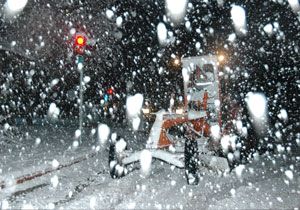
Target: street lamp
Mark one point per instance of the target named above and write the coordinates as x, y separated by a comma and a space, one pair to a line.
221, 58
176, 62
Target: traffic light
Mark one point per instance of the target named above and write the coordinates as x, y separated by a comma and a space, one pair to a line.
106, 97
80, 41
110, 91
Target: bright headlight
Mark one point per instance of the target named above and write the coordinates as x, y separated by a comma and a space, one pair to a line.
179, 111
146, 110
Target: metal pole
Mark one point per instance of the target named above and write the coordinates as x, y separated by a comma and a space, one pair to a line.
81, 104
80, 68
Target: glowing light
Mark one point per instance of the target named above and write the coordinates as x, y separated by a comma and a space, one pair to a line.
176, 61
146, 110
179, 111
80, 40
221, 58
110, 91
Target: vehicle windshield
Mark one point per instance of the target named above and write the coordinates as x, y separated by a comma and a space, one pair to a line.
203, 75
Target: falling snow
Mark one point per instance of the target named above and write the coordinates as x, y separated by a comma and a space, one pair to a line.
103, 133
238, 16
154, 97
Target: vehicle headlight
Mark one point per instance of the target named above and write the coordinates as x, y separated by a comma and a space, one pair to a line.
179, 111
146, 110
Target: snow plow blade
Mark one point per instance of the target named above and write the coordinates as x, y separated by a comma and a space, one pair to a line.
171, 158
214, 163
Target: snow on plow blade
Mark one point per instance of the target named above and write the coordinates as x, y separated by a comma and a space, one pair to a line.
190, 159
174, 159
215, 163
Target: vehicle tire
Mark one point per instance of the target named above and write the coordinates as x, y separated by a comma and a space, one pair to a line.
191, 160
116, 167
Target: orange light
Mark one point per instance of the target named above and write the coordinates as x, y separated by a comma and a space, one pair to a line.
176, 62
221, 58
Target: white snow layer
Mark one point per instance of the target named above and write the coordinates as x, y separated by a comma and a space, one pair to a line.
93, 203
272, 182
27, 206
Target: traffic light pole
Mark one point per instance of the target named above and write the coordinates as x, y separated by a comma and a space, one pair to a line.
81, 104
80, 68
81, 40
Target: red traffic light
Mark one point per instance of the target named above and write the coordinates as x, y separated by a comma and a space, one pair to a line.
80, 40
110, 91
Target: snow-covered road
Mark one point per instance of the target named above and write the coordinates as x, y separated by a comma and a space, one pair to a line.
267, 183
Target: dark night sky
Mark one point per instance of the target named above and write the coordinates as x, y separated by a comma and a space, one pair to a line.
279, 54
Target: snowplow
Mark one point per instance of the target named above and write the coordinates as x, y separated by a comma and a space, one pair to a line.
189, 139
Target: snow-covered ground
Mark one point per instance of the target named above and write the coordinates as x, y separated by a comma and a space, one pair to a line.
268, 182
